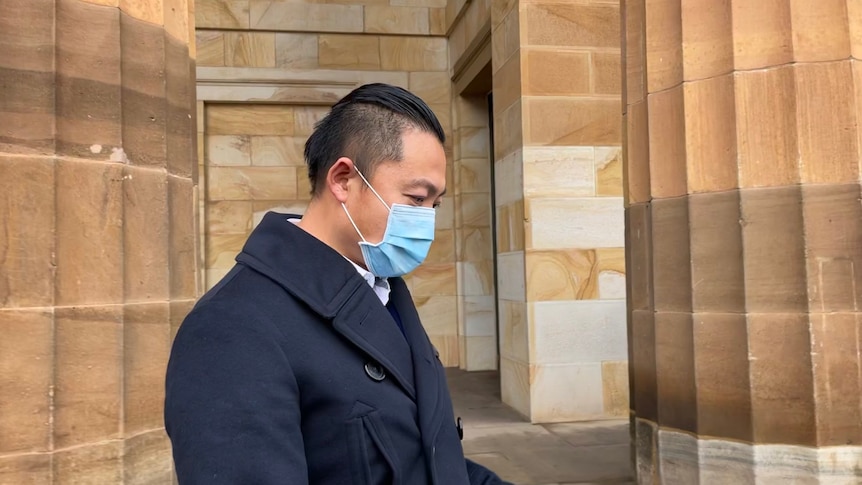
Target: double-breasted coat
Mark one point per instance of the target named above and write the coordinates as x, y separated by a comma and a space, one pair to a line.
292, 371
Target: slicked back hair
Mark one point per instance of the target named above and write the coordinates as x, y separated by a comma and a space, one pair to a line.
366, 126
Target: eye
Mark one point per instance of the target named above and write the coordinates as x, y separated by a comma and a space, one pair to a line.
437, 204
417, 199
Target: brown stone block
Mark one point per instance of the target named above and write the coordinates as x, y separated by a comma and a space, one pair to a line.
221, 14
93, 463
508, 130
721, 375
570, 274
707, 38
837, 386
88, 84
833, 246
181, 112
145, 235
179, 310
506, 83
176, 21
26, 377
260, 119
774, 250
144, 109
555, 73
820, 30
675, 378
89, 234
413, 53
146, 344
296, 51
27, 234
506, 37
300, 16
762, 33
767, 150
827, 129
664, 60
434, 279
349, 51
147, 459
607, 72
210, 48
716, 253
634, 51
710, 134
636, 166
573, 121
437, 21
667, 143
671, 254
642, 351
27, 76
88, 374
856, 66
572, 25
609, 172
183, 241
639, 256
249, 49
26, 469
782, 393
854, 17
432, 87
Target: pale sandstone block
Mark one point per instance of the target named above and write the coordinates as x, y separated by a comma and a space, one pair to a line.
509, 127
303, 184
432, 87
598, 223
224, 216
509, 179
573, 121
221, 249
438, 314
305, 117
559, 171
448, 347
446, 213
476, 244
349, 51
413, 53
615, 388
475, 210
480, 354
296, 51
147, 458
437, 21
434, 279
249, 49
479, 316
399, 79
474, 142
573, 274
213, 276
441, 4
515, 385
475, 278
566, 332
210, 48
146, 10
228, 150
505, 37
261, 207
475, 175
511, 278
566, 392
221, 14
556, 73
308, 17
609, 171
514, 331
397, 20
443, 248
508, 84
277, 151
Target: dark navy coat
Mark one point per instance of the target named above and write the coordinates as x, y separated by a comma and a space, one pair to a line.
291, 371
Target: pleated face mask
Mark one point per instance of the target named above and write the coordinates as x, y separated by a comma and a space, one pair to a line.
405, 244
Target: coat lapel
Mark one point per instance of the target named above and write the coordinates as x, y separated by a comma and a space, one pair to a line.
320, 277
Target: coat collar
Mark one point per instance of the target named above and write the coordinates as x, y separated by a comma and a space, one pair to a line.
323, 279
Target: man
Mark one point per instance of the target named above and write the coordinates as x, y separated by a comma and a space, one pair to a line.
307, 363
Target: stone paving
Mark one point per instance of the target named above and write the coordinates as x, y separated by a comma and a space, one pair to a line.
595, 452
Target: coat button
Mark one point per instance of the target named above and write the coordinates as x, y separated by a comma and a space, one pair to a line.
374, 371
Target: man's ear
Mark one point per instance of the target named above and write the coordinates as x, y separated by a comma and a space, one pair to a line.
338, 177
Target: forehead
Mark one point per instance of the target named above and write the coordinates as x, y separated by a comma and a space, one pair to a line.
423, 158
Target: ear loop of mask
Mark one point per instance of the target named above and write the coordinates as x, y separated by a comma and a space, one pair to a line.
375, 193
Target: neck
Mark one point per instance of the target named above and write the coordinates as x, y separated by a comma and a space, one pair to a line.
323, 222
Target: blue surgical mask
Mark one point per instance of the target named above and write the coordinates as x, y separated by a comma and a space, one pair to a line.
405, 244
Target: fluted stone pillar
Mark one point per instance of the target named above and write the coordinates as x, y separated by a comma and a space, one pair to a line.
97, 239
743, 124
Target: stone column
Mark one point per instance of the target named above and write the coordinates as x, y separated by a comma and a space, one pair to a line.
743, 236
97, 241
561, 275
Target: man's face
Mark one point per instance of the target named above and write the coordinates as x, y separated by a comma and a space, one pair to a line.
419, 179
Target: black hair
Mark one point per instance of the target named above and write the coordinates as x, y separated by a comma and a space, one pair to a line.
366, 126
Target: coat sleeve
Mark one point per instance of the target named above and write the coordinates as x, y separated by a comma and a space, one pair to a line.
232, 403
479, 475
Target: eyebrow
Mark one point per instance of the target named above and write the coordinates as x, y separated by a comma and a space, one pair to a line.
425, 183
